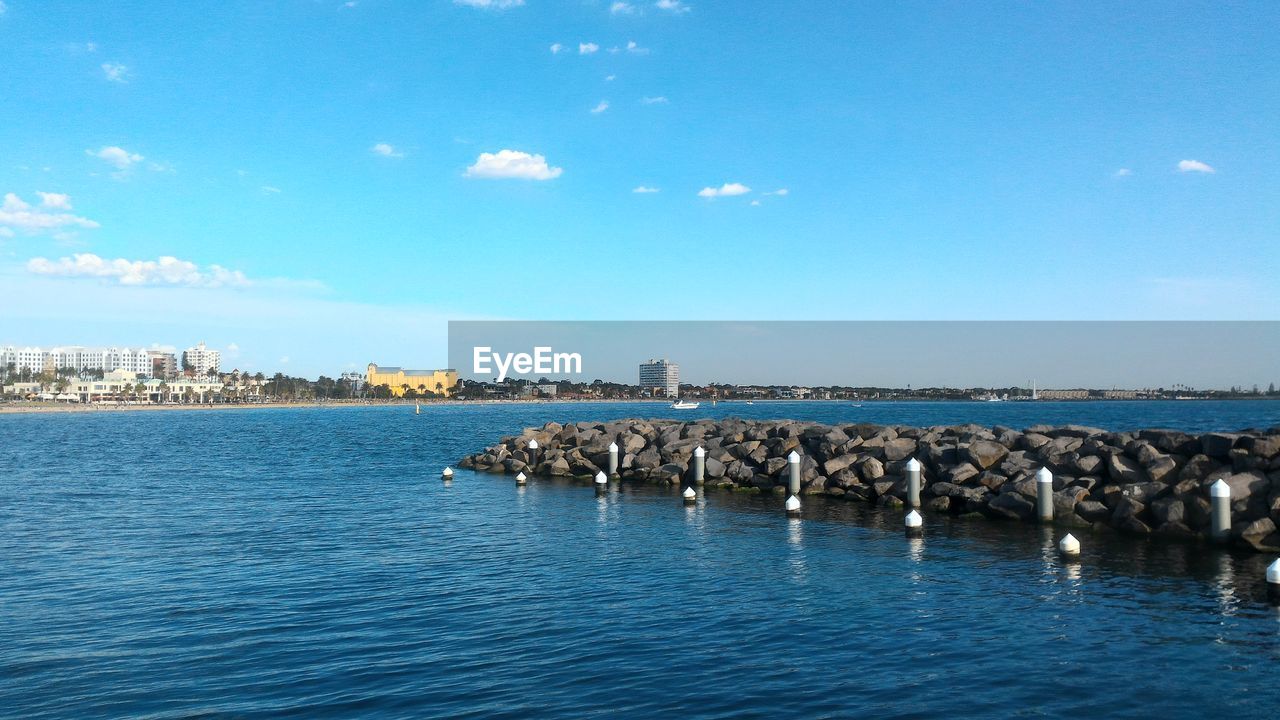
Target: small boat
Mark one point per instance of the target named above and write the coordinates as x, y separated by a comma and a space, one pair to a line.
751, 402
417, 408
684, 405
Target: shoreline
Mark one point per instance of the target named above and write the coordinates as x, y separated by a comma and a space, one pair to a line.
30, 407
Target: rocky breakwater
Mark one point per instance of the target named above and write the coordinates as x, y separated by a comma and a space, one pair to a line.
1150, 482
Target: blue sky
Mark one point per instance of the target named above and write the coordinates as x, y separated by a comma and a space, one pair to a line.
941, 160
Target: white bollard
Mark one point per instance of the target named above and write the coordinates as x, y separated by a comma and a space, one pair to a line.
690, 496
1044, 495
913, 483
602, 482
447, 475
521, 478
793, 506
533, 455
1273, 582
1220, 499
613, 459
914, 524
793, 473
1069, 546
699, 465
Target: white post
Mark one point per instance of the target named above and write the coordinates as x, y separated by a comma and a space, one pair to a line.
447, 475
793, 506
690, 496
1220, 498
1069, 546
699, 465
533, 455
1044, 495
521, 478
613, 459
1273, 582
602, 482
914, 524
913, 483
793, 473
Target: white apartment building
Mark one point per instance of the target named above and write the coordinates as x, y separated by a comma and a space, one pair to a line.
661, 375
201, 359
78, 358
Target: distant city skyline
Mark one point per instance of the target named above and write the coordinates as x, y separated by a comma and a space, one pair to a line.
418, 162
1098, 355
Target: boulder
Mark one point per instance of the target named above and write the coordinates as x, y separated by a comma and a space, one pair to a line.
836, 464
1218, 445
1168, 510
1124, 470
1012, 506
985, 453
959, 473
1092, 510
899, 449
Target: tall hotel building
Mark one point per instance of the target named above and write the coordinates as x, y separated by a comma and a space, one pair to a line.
661, 375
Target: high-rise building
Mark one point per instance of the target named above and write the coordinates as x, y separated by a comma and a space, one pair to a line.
164, 365
661, 375
78, 358
200, 360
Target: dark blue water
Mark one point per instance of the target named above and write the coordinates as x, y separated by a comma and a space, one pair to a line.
310, 563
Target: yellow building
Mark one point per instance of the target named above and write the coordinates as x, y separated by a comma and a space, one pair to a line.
440, 382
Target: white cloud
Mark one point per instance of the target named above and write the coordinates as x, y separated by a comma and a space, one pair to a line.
658, 100
643, 189
609, 78
386, 150
56, 201
1122, 172
234, 348
490, 4
166, 270
270, 190
755, 202
601, 107
117, 157
115, 72
18, 216
284, 359
587, 48
350, 4
726, 190
514, 164
5, 232
1194, 166
622, 8
779, 191
635, 49
556, 48
675, 6
3, 7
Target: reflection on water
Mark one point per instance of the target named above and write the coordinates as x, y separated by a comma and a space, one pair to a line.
1225, 586
796, 557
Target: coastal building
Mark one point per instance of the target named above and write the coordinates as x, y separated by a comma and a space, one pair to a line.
661, 375
77, 358
440, 382
354, 379
163, 364
200, 360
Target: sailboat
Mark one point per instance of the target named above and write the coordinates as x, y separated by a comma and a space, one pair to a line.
417, 408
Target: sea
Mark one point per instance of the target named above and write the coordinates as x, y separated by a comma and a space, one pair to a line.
310, 562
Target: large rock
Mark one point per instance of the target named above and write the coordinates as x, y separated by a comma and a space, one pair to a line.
985, 453
1243, 485
1125, 470
836, 464
1012, 505
1218, 445
899, 449
960, 473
